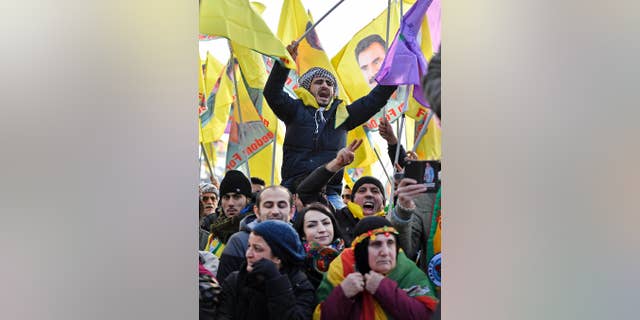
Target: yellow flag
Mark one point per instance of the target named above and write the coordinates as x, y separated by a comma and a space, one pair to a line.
254, 76
212, 70
370, 44
238, 21
219, 96
211, 155
248, 135
358, 62
356, 71
294, 21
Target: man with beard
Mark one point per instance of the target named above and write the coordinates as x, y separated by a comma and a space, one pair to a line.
367, 197
272, 203
235, 195
317, 122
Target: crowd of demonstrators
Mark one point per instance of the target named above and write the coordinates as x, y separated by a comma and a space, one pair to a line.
297, 251
317, 122
374, 280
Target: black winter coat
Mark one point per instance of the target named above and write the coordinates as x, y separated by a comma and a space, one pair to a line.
245, 296
304, 149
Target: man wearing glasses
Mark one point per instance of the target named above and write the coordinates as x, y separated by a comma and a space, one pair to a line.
209, 197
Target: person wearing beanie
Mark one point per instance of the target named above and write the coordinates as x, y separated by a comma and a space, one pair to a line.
374, 279
272, 203
317, 122
367, 196
235, 195
270, 284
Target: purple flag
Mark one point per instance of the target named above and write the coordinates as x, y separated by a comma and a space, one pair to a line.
404, 62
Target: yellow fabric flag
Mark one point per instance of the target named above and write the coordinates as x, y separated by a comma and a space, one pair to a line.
254, 76
238, 21
356, 70
294, 21
358, 62
212, 70
370, 44
248, 134
202, 108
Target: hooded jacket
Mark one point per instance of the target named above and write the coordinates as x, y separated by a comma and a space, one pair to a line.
308, 142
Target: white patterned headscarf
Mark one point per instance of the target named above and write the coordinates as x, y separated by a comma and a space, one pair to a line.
315, 72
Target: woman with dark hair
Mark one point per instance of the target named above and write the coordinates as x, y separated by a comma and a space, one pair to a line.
374, 280
320, 236
270, 283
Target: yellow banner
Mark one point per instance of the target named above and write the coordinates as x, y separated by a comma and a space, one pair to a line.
238, 21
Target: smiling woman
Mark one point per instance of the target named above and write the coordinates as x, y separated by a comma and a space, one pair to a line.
321, 238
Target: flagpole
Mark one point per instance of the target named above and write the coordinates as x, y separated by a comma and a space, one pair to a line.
316, 23
386, 39
273, 157
237, 101
422, 131
213, 149
386, 46
382, 165
406, 100
206, 158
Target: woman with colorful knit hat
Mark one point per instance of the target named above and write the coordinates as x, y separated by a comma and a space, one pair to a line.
271, 283
374, 280
320, 236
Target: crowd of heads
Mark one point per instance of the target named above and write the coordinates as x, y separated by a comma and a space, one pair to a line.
287, 225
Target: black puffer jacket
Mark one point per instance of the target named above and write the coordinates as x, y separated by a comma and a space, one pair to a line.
304, 149
245, 296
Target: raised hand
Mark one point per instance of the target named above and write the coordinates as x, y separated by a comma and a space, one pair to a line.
353, 284
344, 157
386, 131
411, 156
407, 190
293, 49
